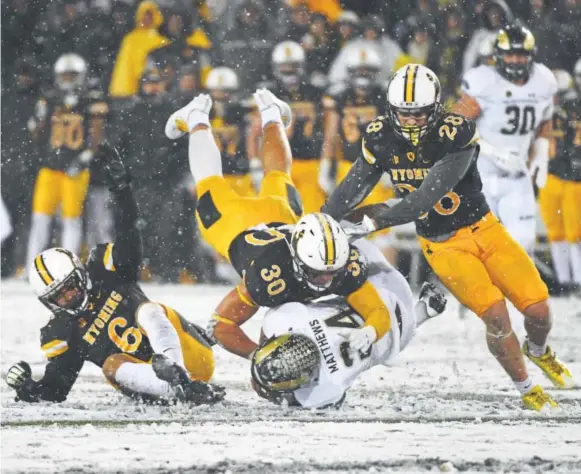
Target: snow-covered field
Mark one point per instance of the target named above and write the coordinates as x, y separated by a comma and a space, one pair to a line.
446, 406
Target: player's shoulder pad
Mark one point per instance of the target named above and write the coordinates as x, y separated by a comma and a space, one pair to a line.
548, 83
456, 131
356, 273
56, 337
477, 80
376, 138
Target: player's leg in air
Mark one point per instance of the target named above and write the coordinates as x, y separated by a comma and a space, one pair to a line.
182, 360
223, 214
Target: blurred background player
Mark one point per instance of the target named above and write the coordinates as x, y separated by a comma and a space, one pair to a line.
560, 199
512, 104
100, 314
312, 364
68, 126
305, 132
354, 105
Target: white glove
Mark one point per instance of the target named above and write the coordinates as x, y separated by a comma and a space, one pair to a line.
265, 100
18, 374
361, 339
509, 160
80, 163
256, 173
326, 181
361, 229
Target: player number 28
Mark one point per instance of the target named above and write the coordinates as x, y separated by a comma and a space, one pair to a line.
129, 340
276, 285
455, 121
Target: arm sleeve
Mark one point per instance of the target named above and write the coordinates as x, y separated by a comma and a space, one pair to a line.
59, 377
442, 178
358, 183
126, 254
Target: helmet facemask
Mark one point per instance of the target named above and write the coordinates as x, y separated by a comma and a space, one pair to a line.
286, 363
70, 296
363, 76
413, 133
515, 41
289, 73
318, 280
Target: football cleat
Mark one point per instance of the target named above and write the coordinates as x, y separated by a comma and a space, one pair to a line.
537, 399
177, 124
266, 99
185, 389
553, 368
434, 299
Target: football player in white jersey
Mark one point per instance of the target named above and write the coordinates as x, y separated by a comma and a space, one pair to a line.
512, 104
309, 356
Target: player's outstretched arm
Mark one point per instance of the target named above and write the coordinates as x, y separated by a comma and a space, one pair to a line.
234, 310
358, 183
59, 377
127, 251
442, 178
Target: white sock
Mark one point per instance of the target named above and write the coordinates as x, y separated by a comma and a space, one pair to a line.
39, 235
72, 234
161, 333
141, 378
197, 117
575, 256
524, 386
270, 114
205, 159
535, 349
560, 256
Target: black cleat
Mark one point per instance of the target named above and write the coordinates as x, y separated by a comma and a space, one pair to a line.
186, 389
434, 299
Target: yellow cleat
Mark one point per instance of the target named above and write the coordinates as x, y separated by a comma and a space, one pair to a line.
536, 399
553, 368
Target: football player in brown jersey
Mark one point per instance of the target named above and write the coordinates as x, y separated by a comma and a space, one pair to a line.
279, 259
68, 126
560, 199
101, 315
431, 158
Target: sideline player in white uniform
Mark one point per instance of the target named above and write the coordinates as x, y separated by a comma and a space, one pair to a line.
306, 359
512, 104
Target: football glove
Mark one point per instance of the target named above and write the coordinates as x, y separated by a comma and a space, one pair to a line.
361, 229
539, 170
116, 173
361, 339
18, 375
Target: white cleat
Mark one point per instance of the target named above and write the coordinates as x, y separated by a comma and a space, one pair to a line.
265, 99
177, 124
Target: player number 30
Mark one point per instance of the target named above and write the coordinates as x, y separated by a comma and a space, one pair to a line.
276, 284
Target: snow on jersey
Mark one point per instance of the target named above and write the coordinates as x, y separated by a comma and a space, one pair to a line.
511, 113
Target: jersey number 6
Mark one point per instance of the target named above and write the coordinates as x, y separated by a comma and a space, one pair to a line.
131, 338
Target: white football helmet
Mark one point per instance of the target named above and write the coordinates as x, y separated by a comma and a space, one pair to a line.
413, 91
223, 79
288, 61
320, 250
60, 281
363, 66
577, 74
70, 72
